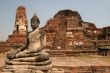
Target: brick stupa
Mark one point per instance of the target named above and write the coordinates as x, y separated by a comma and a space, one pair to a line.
20, 28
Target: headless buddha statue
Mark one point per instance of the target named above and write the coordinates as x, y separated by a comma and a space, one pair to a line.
32, 54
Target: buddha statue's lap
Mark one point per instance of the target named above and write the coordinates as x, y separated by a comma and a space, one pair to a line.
34, 45
34, 49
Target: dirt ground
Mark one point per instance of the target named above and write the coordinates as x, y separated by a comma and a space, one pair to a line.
91, 60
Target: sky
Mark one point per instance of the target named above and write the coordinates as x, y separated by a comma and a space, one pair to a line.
95, 11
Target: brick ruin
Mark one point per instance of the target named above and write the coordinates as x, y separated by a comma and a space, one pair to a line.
67, 35
66, 32
17, 39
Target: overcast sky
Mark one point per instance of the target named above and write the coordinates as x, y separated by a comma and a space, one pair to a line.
95, 11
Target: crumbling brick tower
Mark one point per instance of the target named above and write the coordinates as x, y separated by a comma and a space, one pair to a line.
20, 28
21, 22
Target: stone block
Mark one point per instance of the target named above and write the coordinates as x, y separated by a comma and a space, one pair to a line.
24, 71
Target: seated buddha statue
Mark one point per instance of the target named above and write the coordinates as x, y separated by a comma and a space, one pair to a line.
32, 55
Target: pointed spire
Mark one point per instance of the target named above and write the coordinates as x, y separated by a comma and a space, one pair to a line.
35, 14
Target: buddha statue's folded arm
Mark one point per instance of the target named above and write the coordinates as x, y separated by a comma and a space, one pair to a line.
24, 46
12, 54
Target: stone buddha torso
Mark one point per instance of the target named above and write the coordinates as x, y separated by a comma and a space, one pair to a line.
34, 40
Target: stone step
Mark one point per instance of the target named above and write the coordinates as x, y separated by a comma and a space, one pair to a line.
85, 72
20, 71
47, 67
8, 70
5, 72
